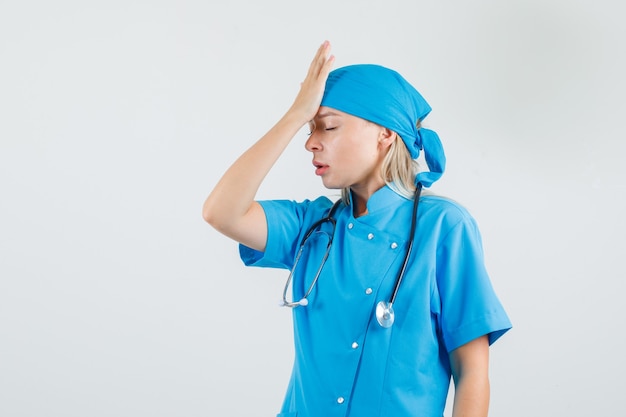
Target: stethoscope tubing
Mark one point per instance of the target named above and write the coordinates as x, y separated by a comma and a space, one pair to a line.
405, 263
329, 218
386, 306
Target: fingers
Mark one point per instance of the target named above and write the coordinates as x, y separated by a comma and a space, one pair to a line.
327, 67
322, 62
308, 100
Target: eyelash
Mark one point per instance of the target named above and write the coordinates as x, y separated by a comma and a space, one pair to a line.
326, 129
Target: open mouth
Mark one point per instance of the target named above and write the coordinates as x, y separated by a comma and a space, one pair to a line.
320, 168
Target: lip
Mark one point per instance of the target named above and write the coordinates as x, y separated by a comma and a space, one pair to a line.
320, 168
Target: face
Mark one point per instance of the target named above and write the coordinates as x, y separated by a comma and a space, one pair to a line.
347, 150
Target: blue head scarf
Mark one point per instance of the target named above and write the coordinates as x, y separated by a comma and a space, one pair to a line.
384, 97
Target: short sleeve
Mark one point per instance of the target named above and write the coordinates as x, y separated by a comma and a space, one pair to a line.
286, 221
470, 307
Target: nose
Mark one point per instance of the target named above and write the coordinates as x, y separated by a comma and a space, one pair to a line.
313, 144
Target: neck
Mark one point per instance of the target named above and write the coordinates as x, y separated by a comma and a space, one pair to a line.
360, 197
360, 208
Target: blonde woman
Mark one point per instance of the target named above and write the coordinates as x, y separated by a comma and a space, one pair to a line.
388, 288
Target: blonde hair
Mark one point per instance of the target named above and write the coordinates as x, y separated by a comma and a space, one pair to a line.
398, 170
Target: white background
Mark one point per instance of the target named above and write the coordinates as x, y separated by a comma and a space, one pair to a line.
118, 117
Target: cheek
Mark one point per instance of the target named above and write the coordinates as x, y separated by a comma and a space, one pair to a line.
359, 145
363, 158
371, 148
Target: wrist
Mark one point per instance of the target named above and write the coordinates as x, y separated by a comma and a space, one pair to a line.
296, 118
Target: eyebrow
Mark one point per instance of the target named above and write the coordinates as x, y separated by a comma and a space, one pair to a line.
327, 113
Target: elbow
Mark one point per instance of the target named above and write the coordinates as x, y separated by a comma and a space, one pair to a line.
207, 214
217, 216
210, 214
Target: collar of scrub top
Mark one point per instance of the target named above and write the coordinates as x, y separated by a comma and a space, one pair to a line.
383, 96
379, 202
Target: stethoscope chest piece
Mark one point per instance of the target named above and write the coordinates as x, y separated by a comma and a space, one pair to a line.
385, 314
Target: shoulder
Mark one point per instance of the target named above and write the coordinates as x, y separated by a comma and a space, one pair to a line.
445, 210
448, 220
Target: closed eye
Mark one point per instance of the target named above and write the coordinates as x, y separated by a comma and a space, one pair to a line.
328, 129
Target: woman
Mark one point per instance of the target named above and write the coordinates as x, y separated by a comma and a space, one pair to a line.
354, 357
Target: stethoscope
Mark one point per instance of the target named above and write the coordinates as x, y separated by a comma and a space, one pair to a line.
384, 309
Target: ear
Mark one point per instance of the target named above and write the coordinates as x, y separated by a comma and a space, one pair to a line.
386, 137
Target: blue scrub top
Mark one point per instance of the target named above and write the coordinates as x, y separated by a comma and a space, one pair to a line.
346, 364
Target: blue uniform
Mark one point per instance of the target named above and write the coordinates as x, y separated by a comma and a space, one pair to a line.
345, 363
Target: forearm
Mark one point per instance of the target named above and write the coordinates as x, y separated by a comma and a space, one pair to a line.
235, 192
230, 208
233, 196
471, 396
470, 368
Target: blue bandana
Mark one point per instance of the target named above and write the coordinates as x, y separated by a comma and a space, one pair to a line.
384, 97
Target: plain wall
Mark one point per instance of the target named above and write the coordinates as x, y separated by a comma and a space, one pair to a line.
117, 118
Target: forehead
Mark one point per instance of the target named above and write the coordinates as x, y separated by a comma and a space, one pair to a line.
324, 112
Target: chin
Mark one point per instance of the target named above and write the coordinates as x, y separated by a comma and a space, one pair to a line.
332, 186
